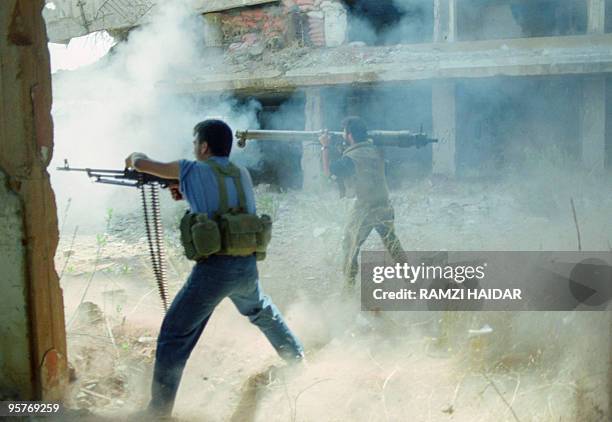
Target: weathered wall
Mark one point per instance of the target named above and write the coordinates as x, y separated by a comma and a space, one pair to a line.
14, 347
29, 229
255, 26
276, 25
270, 18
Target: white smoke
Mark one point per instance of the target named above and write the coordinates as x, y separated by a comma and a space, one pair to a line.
107, 110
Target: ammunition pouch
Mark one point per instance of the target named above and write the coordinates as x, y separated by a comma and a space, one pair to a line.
232, 232
200, 236
244, 234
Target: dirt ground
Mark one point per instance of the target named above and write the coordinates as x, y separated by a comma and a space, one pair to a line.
401, 366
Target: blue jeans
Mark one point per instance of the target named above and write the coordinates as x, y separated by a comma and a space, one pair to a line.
211, 281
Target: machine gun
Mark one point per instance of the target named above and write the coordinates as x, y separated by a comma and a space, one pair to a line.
149, 193
381, 138
126, 177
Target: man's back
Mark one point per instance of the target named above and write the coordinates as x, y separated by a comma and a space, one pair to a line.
199, 186
369, 178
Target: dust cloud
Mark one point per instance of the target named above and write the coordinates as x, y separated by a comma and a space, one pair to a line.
512, 192
360, 366
104, 111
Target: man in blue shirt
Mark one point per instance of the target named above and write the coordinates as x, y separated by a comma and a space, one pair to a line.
214, 278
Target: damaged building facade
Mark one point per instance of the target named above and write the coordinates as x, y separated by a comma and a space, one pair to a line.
497, 82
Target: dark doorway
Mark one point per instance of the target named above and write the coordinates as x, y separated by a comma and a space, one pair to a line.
384, 22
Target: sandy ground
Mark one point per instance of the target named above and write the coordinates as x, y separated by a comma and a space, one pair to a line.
402, 366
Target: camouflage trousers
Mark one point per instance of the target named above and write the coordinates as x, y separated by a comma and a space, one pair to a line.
362, 220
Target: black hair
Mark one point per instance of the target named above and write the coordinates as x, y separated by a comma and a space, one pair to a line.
217, 134
356, 127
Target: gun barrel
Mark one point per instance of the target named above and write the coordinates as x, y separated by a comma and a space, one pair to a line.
89, 170
124, 177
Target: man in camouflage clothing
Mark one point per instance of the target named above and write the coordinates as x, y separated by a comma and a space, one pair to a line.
362, 166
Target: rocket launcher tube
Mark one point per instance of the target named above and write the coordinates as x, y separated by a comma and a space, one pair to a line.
382, 138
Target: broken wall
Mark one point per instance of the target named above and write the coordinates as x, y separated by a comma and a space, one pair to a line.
247, 27
275, 26
33, 355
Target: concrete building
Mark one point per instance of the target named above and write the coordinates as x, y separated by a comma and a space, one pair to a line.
548, 61
480, 75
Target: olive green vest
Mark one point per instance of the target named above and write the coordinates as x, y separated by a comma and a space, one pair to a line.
232, 231
369, 181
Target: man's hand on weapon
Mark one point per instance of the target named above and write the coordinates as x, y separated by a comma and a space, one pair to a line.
130, 161
324, 139
175, 192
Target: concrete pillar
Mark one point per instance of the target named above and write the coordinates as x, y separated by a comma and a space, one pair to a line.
443, 93
609, 415
311, 159
33, 345
213, 33
445, 20
444, 127
593, 123
596, 16
336, 23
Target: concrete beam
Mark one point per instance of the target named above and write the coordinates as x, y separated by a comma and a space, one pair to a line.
444, 127
585, 54
208, 6
73, 18
593, 123
596, 16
